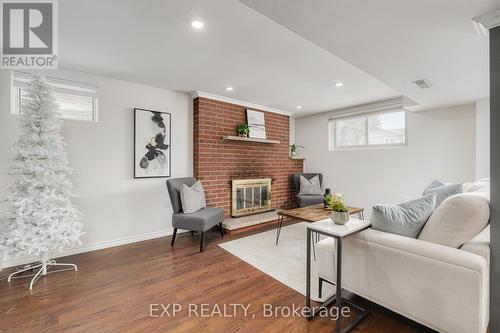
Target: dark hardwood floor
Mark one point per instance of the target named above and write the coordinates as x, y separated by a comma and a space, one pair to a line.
113, 289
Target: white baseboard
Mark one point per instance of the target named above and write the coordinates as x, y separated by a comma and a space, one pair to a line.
91, 247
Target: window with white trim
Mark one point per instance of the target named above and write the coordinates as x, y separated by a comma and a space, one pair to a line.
380, 129
76, 100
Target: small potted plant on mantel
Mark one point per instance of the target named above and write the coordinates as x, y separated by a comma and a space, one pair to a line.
243, 130
339, 213
293, 149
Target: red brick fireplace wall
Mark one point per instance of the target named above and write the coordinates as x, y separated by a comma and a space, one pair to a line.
218, 161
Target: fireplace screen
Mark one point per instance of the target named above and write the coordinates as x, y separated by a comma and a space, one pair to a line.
251, 196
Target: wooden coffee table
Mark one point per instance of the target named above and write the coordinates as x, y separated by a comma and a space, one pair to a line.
312, 213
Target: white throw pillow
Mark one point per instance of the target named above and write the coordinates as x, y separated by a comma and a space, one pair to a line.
457, 220
311, 186
192, 198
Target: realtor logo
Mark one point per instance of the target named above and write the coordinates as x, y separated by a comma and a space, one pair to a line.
29, 34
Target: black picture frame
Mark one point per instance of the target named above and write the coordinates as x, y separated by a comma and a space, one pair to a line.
141, 112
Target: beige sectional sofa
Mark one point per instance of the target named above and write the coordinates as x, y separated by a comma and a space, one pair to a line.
439, 286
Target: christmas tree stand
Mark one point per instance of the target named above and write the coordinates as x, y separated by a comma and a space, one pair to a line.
43, 269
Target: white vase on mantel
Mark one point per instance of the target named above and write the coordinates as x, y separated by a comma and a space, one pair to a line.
339, 217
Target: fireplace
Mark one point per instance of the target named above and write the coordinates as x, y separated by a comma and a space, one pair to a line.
250, 196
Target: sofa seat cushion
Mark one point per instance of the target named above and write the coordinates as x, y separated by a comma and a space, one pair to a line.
405, 219
201, 220
459, 219
309, 199
480, 245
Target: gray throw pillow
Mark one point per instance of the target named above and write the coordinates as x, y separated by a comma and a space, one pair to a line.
192, 198
443, 190
310, 186
405, 219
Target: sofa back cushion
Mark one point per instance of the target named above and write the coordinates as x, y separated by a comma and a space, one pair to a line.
405, 219
457, 220
480, 185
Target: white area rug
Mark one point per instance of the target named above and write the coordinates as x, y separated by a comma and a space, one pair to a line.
285, 262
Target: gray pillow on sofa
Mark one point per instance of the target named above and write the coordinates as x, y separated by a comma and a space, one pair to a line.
310, 186
405, 219
443, 190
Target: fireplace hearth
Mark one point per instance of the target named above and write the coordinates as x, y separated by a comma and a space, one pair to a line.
250, 196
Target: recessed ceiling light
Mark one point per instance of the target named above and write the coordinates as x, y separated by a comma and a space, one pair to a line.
299, 107
197, 24
229, 88
338, 84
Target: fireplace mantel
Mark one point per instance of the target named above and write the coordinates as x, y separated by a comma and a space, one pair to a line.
242, 138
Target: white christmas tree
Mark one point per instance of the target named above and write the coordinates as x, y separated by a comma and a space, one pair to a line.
41, 220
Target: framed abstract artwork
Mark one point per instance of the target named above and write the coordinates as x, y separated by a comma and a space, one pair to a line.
256, 123
152, 147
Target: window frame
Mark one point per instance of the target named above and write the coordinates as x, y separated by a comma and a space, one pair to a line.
332, 131
71, 88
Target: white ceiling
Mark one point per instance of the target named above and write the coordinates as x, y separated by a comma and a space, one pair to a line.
152, 42
399, 41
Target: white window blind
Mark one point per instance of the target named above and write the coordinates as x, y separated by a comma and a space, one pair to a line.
379, 129
76, 100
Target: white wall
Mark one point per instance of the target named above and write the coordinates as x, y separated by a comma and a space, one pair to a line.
483, 138
441, 144
117, 209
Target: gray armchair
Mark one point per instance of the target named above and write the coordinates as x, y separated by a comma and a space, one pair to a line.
201, 221
307, 199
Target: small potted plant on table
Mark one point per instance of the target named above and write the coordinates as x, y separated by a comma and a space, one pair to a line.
243, 130
339, 213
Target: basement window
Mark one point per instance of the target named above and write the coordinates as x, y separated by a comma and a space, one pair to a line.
76, 100
372, 130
